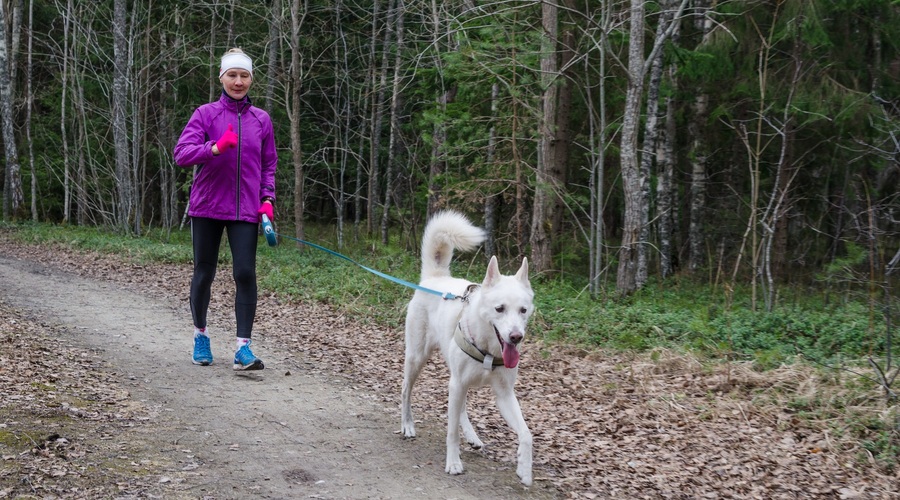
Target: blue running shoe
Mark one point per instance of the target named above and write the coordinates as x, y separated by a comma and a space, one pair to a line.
202, 352
245, 360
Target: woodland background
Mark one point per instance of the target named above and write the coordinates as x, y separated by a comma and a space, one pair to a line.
744, 142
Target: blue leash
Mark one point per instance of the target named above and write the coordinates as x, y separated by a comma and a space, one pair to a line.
268, 230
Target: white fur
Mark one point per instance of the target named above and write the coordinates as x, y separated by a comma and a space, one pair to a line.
501, 302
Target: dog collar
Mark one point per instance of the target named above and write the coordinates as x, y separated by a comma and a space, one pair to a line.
488, 361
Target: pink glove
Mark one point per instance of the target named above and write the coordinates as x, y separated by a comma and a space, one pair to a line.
267, 209
228, 140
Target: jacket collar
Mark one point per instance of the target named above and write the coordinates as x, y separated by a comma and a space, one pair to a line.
237, 105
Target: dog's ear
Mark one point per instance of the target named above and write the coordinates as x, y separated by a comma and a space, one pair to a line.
493, 273
522, 273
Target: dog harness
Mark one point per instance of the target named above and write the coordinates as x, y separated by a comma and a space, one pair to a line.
488, 361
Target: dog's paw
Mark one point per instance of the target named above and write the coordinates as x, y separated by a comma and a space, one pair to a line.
408, 428
455, 468
475, 443
525, 476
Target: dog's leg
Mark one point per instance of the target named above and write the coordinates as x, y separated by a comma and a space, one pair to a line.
456, 407
469, 431
411, 368
416, 356
512, 413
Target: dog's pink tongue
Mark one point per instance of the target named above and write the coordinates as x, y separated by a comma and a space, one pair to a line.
510, 355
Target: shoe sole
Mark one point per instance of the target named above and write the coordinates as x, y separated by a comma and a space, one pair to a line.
201, 363
255, 365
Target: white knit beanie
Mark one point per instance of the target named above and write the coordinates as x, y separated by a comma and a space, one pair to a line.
237, 60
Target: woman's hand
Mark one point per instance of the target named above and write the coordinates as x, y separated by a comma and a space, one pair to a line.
228, 140
266, 209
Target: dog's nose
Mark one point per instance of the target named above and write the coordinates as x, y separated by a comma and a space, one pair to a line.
515, 337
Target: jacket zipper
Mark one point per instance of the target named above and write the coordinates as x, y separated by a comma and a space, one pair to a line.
237, 188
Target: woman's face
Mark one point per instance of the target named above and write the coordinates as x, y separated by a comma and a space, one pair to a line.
236, 82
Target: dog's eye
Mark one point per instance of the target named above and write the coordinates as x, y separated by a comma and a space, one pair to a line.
500, 309
523, 310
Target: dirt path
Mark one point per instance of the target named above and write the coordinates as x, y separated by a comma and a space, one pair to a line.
284, 432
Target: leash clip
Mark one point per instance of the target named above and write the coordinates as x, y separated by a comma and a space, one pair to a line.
488, 363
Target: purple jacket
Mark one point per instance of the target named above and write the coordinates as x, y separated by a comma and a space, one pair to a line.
232, 185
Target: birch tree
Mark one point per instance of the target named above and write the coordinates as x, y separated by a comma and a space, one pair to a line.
632, 180
666, 194
124, 181
651, 132
29, 106
13, 197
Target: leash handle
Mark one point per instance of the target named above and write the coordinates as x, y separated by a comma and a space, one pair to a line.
269, 231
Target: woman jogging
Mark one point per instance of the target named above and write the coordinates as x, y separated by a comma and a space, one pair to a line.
231, 144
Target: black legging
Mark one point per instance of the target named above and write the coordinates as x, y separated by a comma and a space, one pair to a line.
206, 235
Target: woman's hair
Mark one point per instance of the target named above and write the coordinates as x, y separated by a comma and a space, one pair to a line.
235, 50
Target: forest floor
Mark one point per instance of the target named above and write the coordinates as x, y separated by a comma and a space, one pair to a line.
98, 399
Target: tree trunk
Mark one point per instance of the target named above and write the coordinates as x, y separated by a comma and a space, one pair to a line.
520, 219
541, 251
80, 179
166, 138
786, 173
665, 192
698, 154
696, 234
140, 102
365, 123
560, 170
598, 158
274, 48
15, 40
665, 189
214, 85
626, 275
63, 134
635, 194
395, 124
29, 105
296, 151
13, 197
651, 132
378, 120
438, 162
490, 200
123, 207
342, 109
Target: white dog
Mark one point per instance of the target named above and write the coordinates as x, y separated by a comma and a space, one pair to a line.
477, 334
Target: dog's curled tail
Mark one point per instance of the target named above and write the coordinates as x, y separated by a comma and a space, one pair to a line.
445, 232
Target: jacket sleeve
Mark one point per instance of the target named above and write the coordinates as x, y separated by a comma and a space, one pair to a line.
193, 147
269, 162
